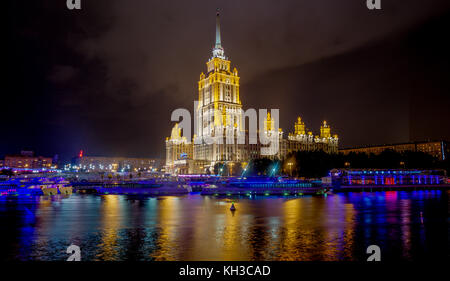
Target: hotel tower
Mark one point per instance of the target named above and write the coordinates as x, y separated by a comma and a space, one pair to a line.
220, 123
219, 111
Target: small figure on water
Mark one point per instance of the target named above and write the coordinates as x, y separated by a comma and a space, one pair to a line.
232, 208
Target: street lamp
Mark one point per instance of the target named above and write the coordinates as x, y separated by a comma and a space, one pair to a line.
230, 171
290, 164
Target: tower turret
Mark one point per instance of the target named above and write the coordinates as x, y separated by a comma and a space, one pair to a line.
219, 101
299, 127
325, 130
268, 123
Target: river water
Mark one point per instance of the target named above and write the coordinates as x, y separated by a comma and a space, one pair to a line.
338, 227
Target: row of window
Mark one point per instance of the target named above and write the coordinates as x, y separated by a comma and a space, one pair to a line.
228, 96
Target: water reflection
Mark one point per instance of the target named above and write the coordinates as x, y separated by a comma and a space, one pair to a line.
168, 220
110, 224
194, 227
317, 229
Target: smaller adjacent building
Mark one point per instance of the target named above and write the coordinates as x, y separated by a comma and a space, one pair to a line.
26, 160
116, 164
301, 140
179, 153
438, 149
185, 157
188, 167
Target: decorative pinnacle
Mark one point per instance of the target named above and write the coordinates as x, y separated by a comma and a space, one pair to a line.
218, 41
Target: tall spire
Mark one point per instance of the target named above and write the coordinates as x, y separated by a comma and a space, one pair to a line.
218, 43
218, 50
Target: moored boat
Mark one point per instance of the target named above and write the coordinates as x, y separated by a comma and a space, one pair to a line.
264, 186
35, 186
64, 187
145, 188
49, 190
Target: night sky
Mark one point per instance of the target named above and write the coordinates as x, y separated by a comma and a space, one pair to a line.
106, 79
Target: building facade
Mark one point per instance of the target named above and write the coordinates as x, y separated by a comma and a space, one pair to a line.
438, 149
220, 135
301, 140
115, 164
178, 151
27, 160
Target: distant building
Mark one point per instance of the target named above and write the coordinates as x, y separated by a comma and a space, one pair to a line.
27, 160
438, 149
116, 164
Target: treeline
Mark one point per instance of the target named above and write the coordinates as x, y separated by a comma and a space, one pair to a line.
315, 164
6, 172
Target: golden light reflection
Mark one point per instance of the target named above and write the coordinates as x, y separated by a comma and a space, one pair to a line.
110, 215
264, 230
233, 246
315, 230
218, 233
204, 231
167, 244
349, 230
292, 233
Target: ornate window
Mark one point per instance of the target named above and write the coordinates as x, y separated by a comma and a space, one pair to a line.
228, 93
207, 95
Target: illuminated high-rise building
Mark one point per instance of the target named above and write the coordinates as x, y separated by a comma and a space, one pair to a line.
220, 124
219, 111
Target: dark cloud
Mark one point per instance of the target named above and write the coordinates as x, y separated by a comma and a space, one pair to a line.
106, 79
62, 73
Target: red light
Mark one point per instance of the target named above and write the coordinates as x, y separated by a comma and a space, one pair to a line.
81, 154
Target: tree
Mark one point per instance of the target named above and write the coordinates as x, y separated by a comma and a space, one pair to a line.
220, 169
7, 172
419, 160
